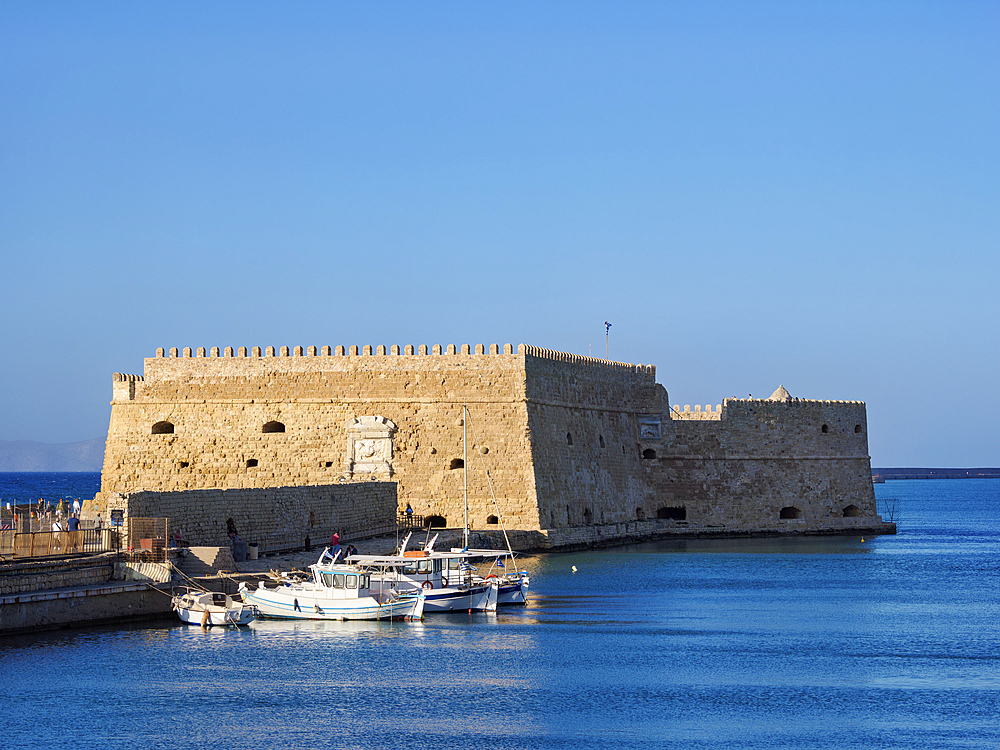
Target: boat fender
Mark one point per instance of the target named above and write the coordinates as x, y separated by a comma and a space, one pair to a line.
491, 575
444, 582
428, 585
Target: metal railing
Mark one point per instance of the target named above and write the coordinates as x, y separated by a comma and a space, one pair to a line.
22, 544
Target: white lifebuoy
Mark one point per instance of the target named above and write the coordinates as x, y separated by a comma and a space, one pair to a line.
428, 585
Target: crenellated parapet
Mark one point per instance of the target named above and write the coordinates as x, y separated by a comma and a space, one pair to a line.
123, 386
366, 350
698, 414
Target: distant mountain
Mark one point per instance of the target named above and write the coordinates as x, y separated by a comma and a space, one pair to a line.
27, 455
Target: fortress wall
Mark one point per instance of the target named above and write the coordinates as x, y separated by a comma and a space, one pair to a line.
763, 456
219, 405
583, 417
570, 442
276, 517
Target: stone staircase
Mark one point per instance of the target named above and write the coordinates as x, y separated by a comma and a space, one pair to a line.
206, 561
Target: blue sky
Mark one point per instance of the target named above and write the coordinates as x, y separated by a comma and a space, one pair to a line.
752, 193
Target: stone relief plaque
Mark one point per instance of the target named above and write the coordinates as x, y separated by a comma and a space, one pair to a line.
369, 446
649, 428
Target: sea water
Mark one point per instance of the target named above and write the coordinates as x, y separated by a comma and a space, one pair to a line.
833, 642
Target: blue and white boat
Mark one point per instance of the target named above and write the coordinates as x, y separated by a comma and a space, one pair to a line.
336, 591
445, 589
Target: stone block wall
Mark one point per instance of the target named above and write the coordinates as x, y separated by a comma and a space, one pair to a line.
198, 423
275, 517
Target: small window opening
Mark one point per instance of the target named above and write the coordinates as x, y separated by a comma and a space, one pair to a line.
588, 517
327, 464
601, 439
457, 463
825, 429
674, 514
852, 511
492, 520
436, 522
569, 438
649, 453
163, 428
183, 464
273, 427
251, 462
857, 429
790, 512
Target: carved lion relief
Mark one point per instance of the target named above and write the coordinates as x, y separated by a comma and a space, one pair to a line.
369, 446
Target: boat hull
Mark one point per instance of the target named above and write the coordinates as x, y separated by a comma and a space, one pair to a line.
198, 609
456, 600
289, 604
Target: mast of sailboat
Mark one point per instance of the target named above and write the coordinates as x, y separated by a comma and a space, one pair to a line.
465, 467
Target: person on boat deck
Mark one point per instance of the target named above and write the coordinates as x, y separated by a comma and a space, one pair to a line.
335, 544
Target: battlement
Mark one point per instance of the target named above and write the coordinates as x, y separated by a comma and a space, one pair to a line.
790, 402
409, 350
677, 413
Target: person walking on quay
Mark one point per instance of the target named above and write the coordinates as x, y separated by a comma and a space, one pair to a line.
73, 533
57, 534
335, 544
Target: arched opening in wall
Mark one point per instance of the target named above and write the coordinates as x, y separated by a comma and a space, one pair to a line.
569, 438
251, 462
672, 514
312, 519
492, 520
163, 428
588, 517
640, 514
436, 522
852, 511
790, 512
825, 429
273, 427
649, 453
567, 516
857, 429
601, 439
457, 463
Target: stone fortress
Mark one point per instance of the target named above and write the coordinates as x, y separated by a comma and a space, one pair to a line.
578, 450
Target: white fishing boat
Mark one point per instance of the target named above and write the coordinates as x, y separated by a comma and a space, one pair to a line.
444, 589
512, 584
207, 608
335, 591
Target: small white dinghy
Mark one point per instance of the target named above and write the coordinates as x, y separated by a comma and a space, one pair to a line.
212, 608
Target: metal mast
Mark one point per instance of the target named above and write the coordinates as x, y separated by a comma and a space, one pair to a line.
465, 466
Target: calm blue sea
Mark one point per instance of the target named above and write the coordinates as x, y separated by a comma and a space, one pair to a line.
889, 642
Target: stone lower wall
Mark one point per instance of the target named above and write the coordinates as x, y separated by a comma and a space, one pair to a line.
751, 493
276, 517
22, 577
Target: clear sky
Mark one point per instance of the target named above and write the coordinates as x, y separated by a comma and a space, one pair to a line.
753, 194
